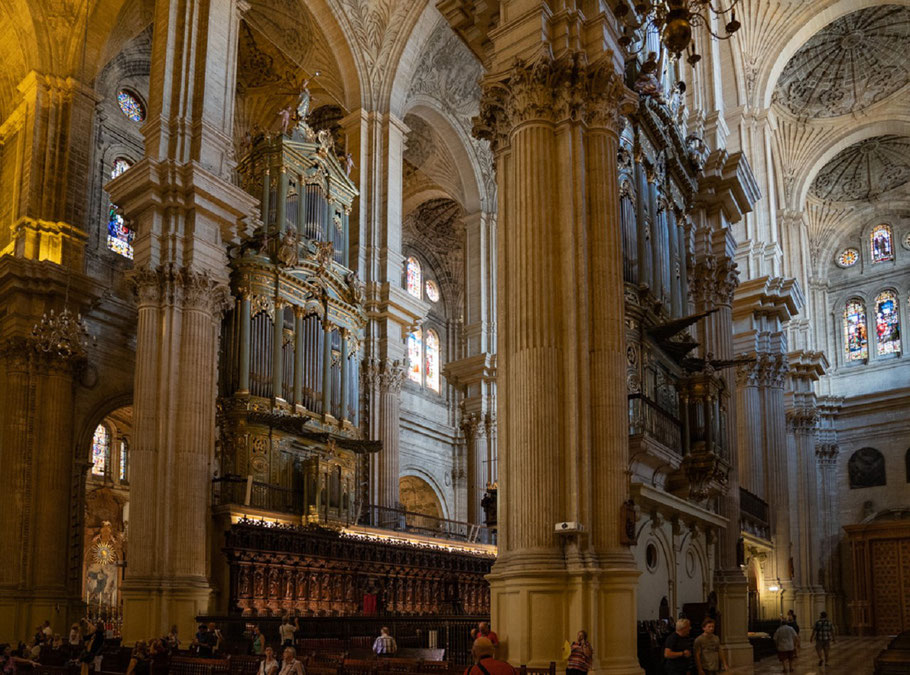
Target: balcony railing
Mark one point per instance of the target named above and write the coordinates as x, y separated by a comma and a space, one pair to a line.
266, 496
648, 418
269, 497
754, 514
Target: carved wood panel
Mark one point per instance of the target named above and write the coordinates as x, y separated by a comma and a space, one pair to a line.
887, 585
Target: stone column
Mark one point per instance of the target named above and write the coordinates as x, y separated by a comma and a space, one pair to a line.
553, 126
826, 452
761, 309
727, 192
475, 437
391, 376
180, 278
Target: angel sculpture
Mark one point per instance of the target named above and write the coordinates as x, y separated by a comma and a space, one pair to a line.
285, 115
348, 163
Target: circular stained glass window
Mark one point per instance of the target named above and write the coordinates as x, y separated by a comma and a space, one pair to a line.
131, 105
848, 257
432, 291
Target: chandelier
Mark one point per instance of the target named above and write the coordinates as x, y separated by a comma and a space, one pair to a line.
674, 21
64, 335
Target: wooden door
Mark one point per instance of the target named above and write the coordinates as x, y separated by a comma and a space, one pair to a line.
890, 563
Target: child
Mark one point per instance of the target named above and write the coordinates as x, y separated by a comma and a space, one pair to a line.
709, 658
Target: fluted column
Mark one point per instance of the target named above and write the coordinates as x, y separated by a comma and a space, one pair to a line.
553, 125
391, 376
476, 449
180, 278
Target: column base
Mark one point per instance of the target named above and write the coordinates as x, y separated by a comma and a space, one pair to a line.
732, 590
152, 606
536, 606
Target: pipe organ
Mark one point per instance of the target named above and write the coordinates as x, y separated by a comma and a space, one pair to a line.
289, 413
677, 403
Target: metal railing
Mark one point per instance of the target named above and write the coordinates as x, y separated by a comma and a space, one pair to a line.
648, 418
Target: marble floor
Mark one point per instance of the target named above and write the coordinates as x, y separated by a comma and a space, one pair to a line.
849, 656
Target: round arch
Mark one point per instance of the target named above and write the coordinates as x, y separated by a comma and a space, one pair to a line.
418, 489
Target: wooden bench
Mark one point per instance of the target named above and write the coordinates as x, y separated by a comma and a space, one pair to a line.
241, 664
524, 670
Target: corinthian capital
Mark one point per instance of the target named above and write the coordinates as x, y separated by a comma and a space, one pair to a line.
548, 90
391, 376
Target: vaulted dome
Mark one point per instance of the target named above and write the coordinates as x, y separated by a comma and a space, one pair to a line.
865, 170
853, 62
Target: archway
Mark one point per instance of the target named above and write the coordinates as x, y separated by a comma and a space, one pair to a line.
418, 497
106, 515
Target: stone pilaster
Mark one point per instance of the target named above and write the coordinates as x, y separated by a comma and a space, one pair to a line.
826, 452
185, 210
391, 377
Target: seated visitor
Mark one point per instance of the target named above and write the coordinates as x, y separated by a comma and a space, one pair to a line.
483, 631
204, 642
269, 665
385, 644
484, 663
172, 640
678, 650
289, 664
91, 653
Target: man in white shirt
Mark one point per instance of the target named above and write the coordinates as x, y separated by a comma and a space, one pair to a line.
287, 630
787, 642
385, 644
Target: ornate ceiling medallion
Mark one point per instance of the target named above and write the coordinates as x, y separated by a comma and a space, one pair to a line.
853, 62
865, 170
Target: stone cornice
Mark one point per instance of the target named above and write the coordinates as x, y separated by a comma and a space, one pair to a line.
778, 298
471, 370
808, 365
727, 183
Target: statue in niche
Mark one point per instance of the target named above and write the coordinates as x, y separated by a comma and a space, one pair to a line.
647, 83
866, 468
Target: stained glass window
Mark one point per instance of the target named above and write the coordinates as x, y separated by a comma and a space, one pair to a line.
413, 272
414, 350
887, 323
120, 165
848, 257
101, 450
432, 358
856, 340
881, 244
119, 236
432, 290
131, 105
124, 461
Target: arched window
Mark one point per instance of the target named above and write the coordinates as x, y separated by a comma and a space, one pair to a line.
432, 290
130, 105
856, 339
124, 461
413, 277
880, 240
887, 323
414, 349
866, 468
119, 236
432, 360
101, 450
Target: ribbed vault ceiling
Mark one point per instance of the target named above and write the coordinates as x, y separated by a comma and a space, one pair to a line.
865, 170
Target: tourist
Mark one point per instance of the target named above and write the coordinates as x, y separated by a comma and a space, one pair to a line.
258, 641
269, 665
172, 640
385, 644
205, 642
91, 653
484, 663
580, 656
678, 650
787, 643
217, 639
289, 664
287, 631
483, 631
9, 661
57, 641
823, 636
75, 635
48, 631
791, 619
709, 658
139, 660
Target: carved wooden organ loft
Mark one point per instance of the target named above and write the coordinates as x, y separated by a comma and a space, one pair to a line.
289, 394
677, 402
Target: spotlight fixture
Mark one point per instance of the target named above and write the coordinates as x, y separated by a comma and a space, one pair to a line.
674, 21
